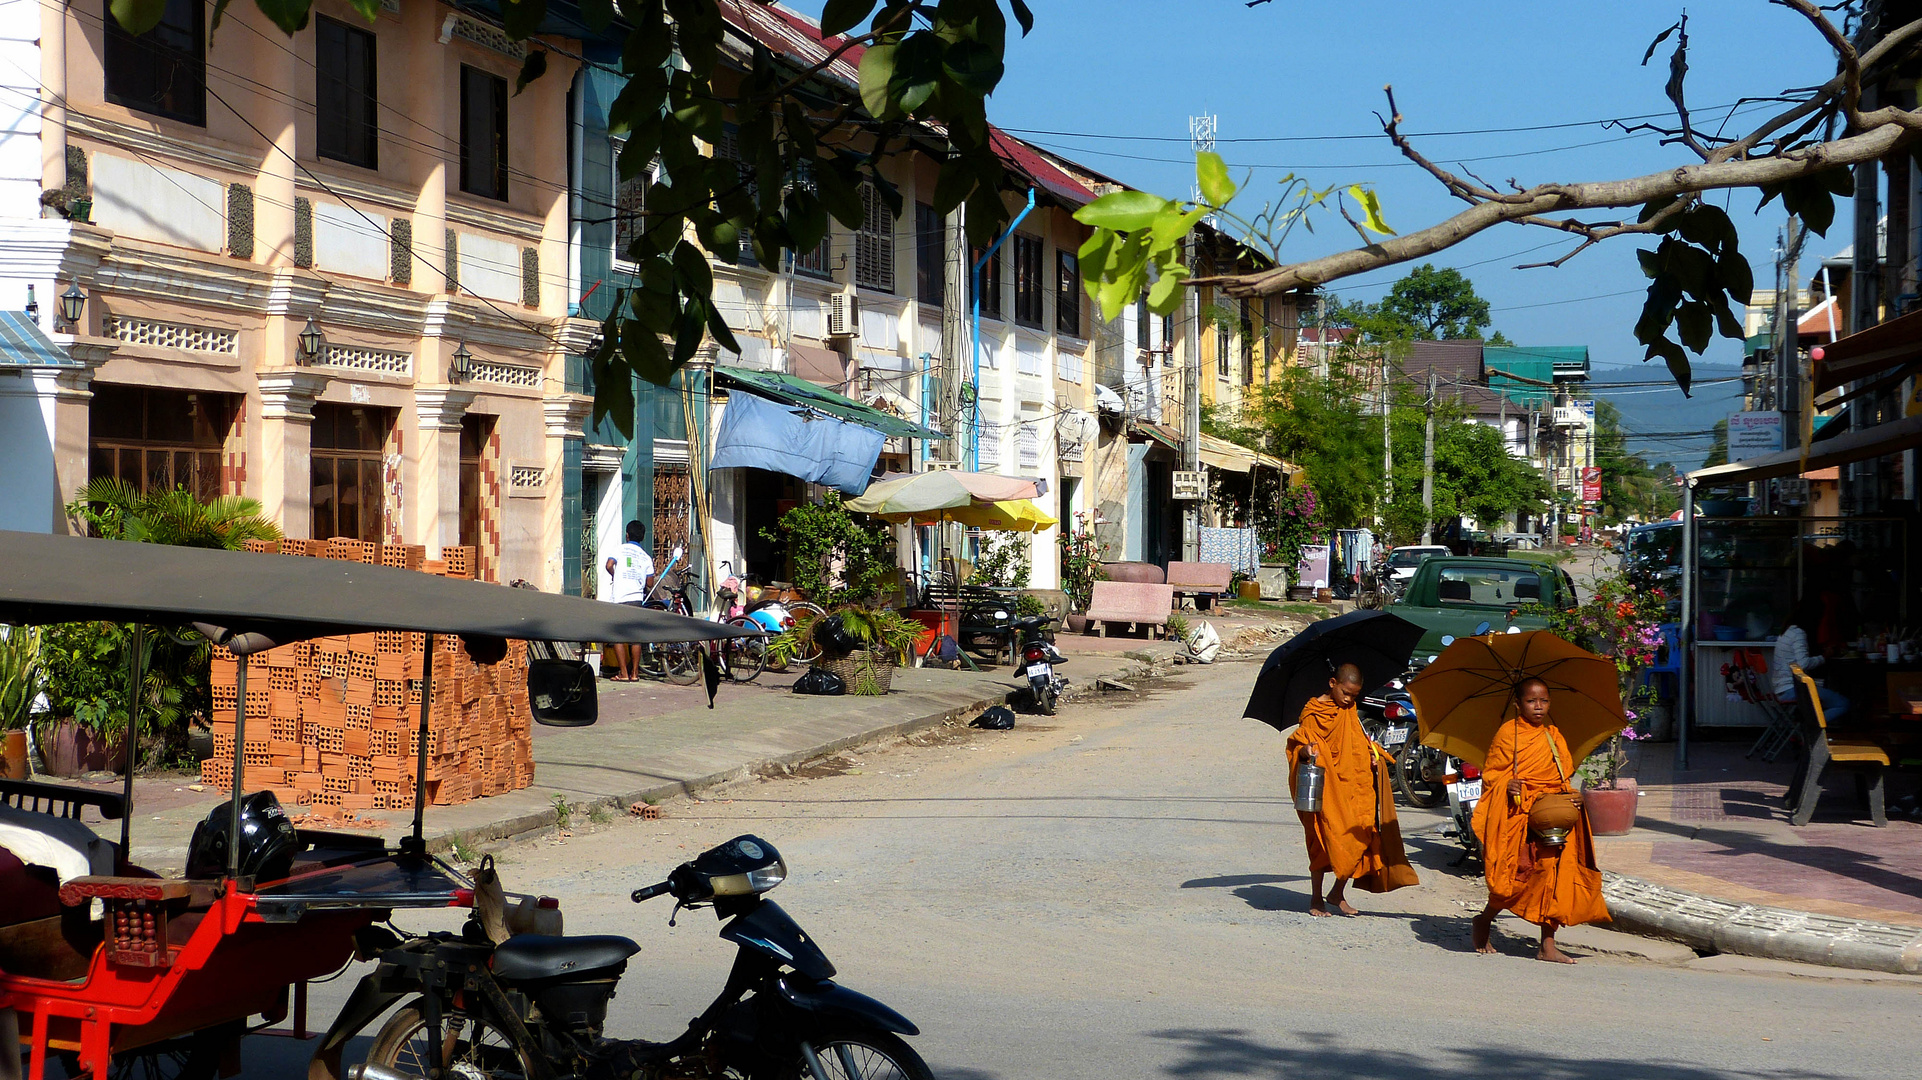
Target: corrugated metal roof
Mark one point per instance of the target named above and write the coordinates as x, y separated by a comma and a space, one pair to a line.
1039, 171
793, 391
24, 344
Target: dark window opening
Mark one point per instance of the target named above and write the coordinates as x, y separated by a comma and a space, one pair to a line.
930, 256
1247, 344
159, 439
474, 433
346, 115
1027, 280
1067, 296
874, 242
483, 133
347, 496
630, 207
163, 71
990, 279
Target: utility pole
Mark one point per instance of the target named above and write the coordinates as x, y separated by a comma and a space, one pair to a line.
1387, 445
1190, 405
1788, 377
1428, 465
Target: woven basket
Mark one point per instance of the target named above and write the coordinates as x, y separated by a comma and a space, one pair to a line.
856, 667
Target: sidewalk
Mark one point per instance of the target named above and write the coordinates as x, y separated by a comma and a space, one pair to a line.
1713, 861
655, 741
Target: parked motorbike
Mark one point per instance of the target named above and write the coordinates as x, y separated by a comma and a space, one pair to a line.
533, 1006
1039, 658
1388, 718
1464, 791
1379, 588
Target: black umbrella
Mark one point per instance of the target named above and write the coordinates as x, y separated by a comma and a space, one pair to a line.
1375, 641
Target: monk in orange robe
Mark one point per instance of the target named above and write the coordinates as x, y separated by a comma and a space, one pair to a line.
1356, 833
1549, 886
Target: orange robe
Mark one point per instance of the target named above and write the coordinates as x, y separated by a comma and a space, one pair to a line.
1356, 834
1537, 883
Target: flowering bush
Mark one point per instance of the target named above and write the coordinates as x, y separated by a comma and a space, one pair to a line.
1297, 524
1623, 623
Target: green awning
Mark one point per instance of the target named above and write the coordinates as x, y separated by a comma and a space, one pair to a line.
792, 391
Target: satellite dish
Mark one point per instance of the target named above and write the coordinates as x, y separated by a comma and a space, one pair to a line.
1447, 640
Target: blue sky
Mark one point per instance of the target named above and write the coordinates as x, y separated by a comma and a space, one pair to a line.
1292, 70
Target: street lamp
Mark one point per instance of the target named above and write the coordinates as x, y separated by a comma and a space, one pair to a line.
463, 363
309, 341
73, 304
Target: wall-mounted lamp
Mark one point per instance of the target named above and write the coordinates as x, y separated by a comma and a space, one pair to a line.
309, 341
33, 306
463, 364
73, 304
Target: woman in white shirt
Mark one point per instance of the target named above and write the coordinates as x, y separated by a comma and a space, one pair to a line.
1792, 650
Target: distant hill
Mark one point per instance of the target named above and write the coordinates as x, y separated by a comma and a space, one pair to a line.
1662, 424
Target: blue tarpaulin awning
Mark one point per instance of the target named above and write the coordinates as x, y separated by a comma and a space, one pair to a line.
757, 433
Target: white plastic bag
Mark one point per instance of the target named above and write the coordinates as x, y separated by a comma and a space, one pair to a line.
1202, 642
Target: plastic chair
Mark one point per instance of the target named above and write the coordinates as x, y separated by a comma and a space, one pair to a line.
1869, 760
1668, 665
1753, 685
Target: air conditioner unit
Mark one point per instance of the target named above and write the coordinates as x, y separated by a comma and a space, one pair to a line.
844, 315
1191, 485
939, 466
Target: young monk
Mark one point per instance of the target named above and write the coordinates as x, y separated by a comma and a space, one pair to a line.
1355, 834
1551, 887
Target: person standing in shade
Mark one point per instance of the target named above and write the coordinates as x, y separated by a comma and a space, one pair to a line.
1550, 886
625, 577
1355, 834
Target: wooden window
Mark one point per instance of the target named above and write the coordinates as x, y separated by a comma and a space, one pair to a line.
474, 433
483, 133
1067, 293
163, 71
1247, 344
990, 278
347, 496
1027, 280
874, 243
816, 262
1144, 329
729, 149
630, 206
346, 114
930, 256
159, 439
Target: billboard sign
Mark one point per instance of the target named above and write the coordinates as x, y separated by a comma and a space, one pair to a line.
1752, 434
1592, 484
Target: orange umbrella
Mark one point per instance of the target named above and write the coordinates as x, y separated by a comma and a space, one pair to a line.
1468, 692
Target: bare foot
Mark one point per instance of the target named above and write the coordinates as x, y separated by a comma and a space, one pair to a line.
1343, 906
1318, 909
1482, 925
1552, 954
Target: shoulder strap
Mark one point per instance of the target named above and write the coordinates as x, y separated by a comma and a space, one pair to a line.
1561, 773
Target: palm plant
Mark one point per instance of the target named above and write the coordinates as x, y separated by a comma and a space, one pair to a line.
21, 675
113, 509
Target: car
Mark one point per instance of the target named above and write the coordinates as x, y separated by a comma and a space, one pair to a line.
1455, 596
1402, 561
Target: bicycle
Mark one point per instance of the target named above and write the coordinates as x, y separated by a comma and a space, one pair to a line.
677, 662
743, 658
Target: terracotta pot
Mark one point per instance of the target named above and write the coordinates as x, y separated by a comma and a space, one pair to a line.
1611, 811
1324, 595
13, 766
71, 750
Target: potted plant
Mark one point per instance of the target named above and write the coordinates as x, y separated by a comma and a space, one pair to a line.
860, 643
85, 666
21, 680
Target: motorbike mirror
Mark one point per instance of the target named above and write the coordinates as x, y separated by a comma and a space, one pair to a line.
1480, 630
1447, 640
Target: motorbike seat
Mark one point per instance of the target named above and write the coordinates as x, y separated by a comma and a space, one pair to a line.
529, 957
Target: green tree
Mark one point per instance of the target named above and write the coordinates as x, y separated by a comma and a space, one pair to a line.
925, 65
1327, 426
1718, 450
113, 509
1475, 476
1428, 304
1631, 487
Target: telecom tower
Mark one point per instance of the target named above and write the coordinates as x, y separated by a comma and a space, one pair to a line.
1201, 137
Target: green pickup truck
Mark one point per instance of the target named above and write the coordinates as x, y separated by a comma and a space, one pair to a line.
1453, 596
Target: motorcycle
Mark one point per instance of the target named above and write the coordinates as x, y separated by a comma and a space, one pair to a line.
533, 1006
1379, 588
1464, 791
1388, 718
1039, 658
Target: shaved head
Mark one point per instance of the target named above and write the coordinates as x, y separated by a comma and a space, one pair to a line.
1521, 688
1349, 674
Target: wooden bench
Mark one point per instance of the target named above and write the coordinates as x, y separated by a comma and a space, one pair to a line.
1869, 761
1133, 603
1202, 580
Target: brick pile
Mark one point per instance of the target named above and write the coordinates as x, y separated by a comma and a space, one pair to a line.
335, 721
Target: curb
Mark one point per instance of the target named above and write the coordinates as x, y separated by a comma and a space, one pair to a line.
526, 826
1719, 926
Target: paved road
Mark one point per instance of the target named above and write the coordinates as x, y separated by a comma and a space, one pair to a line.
1119, 892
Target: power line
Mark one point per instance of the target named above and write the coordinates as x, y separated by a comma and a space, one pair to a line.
1373, 135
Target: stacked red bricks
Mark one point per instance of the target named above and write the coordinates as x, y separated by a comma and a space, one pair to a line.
335, 721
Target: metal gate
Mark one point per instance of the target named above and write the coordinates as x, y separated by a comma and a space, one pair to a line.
672, 500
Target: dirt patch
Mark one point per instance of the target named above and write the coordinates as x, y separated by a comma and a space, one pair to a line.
822, 768
1145, 688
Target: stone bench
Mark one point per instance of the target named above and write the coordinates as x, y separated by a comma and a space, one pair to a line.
1202, 580
1132, 604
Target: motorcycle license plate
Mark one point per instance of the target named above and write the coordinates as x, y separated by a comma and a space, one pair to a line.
1394, 736
1468, 791
1038, 671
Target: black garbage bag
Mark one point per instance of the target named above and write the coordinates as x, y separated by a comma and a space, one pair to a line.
831, 634
996, 718
820, 681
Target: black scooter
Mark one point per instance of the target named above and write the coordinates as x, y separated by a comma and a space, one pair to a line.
532, 1007
1039, 658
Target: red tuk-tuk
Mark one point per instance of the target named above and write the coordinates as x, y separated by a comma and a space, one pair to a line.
134, 969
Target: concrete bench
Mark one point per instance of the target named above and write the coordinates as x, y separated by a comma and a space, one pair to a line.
1132, 603
1202, 580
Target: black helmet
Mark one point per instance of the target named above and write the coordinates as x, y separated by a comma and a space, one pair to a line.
267, 840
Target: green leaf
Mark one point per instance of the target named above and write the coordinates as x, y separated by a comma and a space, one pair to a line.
1677, 360
840, 16
807, 219
1170, 227
877, 72
1651, 262
1726, 323
1695, 324
1839, 180
522, 18
290, 15
596, 13
1818, 212
1164, 296
1023, 16
690, 266
645, 354
1123, 211
1371, 207
1211, 175
973, 66
917, 70
718, 329
531, 68
839, 195
689, 329
1093, 255
1735, 275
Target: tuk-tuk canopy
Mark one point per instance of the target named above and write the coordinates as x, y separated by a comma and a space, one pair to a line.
52, 579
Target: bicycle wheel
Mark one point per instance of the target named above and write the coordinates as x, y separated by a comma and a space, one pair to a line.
746, 656
680, 662
804, 613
